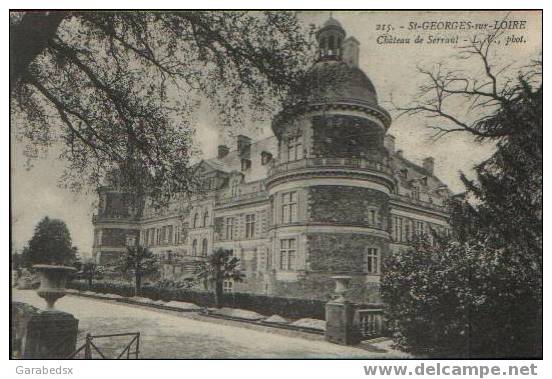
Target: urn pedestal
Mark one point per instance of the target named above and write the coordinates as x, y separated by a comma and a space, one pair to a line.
53, 279
48, 333
341, 325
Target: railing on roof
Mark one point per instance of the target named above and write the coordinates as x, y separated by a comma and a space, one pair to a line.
353, 163
421, 203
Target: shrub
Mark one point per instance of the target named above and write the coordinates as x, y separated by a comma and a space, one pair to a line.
266, 305
460, 300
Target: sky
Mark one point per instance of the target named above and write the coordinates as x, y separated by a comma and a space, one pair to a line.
391, 67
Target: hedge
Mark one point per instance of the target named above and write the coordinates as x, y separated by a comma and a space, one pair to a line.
266, 305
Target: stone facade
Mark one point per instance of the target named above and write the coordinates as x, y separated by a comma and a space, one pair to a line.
327, 194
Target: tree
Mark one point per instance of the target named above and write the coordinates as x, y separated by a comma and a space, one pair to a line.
495, 261
90, 270
51, 244
218, 267
463, 300
138, 261
119, 88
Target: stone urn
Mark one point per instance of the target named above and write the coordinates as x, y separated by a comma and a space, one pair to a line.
341, 287
52, 282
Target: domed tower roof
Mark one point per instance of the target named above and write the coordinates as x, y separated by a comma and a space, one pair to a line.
333, 82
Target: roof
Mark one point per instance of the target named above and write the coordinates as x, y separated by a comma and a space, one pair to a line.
331, 81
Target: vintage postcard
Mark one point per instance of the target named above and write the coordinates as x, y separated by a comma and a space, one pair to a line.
224, 184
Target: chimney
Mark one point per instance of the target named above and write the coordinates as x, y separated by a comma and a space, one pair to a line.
351, 51
223, 151
389, 143
429, 164
244, 145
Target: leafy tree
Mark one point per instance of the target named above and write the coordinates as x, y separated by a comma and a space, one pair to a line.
219, 266
460, 300
51, 244
108, 83
481, 294
138, 262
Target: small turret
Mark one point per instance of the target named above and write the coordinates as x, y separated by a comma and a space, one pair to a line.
330, 39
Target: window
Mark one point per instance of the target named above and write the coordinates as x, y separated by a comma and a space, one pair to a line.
419, 228
245, 164
205, 218
229, 228
294, 148
177, 234
287, 254
145, 237
234, 187
227, 286
373, 217
289, 207
196, 220
416, 193
204, 245
152, 236
130, 240
372, 260
194, 248
397, 229
170, 234
250, 226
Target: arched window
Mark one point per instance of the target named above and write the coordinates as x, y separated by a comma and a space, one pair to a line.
205, 218
194, 248
196, 219
204, 245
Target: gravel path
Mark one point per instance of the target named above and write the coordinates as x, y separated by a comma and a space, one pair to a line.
169, 335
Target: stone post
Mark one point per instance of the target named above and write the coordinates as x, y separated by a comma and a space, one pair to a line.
45, 334
42, 334
341, 326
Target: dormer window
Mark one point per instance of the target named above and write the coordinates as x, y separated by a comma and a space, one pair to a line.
266, 157
404, 173
415, 193
245, 164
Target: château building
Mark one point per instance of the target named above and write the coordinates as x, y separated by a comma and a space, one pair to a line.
328, 194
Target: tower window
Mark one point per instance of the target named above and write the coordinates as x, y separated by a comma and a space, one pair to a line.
204, 245
289, 207
371, 260
287, 254
294, 148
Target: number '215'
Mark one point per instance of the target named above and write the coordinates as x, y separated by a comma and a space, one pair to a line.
384, 27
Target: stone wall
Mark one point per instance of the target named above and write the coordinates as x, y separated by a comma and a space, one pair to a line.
347, 205
117, 237
344, 136
321, 286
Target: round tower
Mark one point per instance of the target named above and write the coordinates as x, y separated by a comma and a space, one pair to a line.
331, 183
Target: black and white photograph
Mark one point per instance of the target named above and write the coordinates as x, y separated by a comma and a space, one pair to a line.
271, 184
